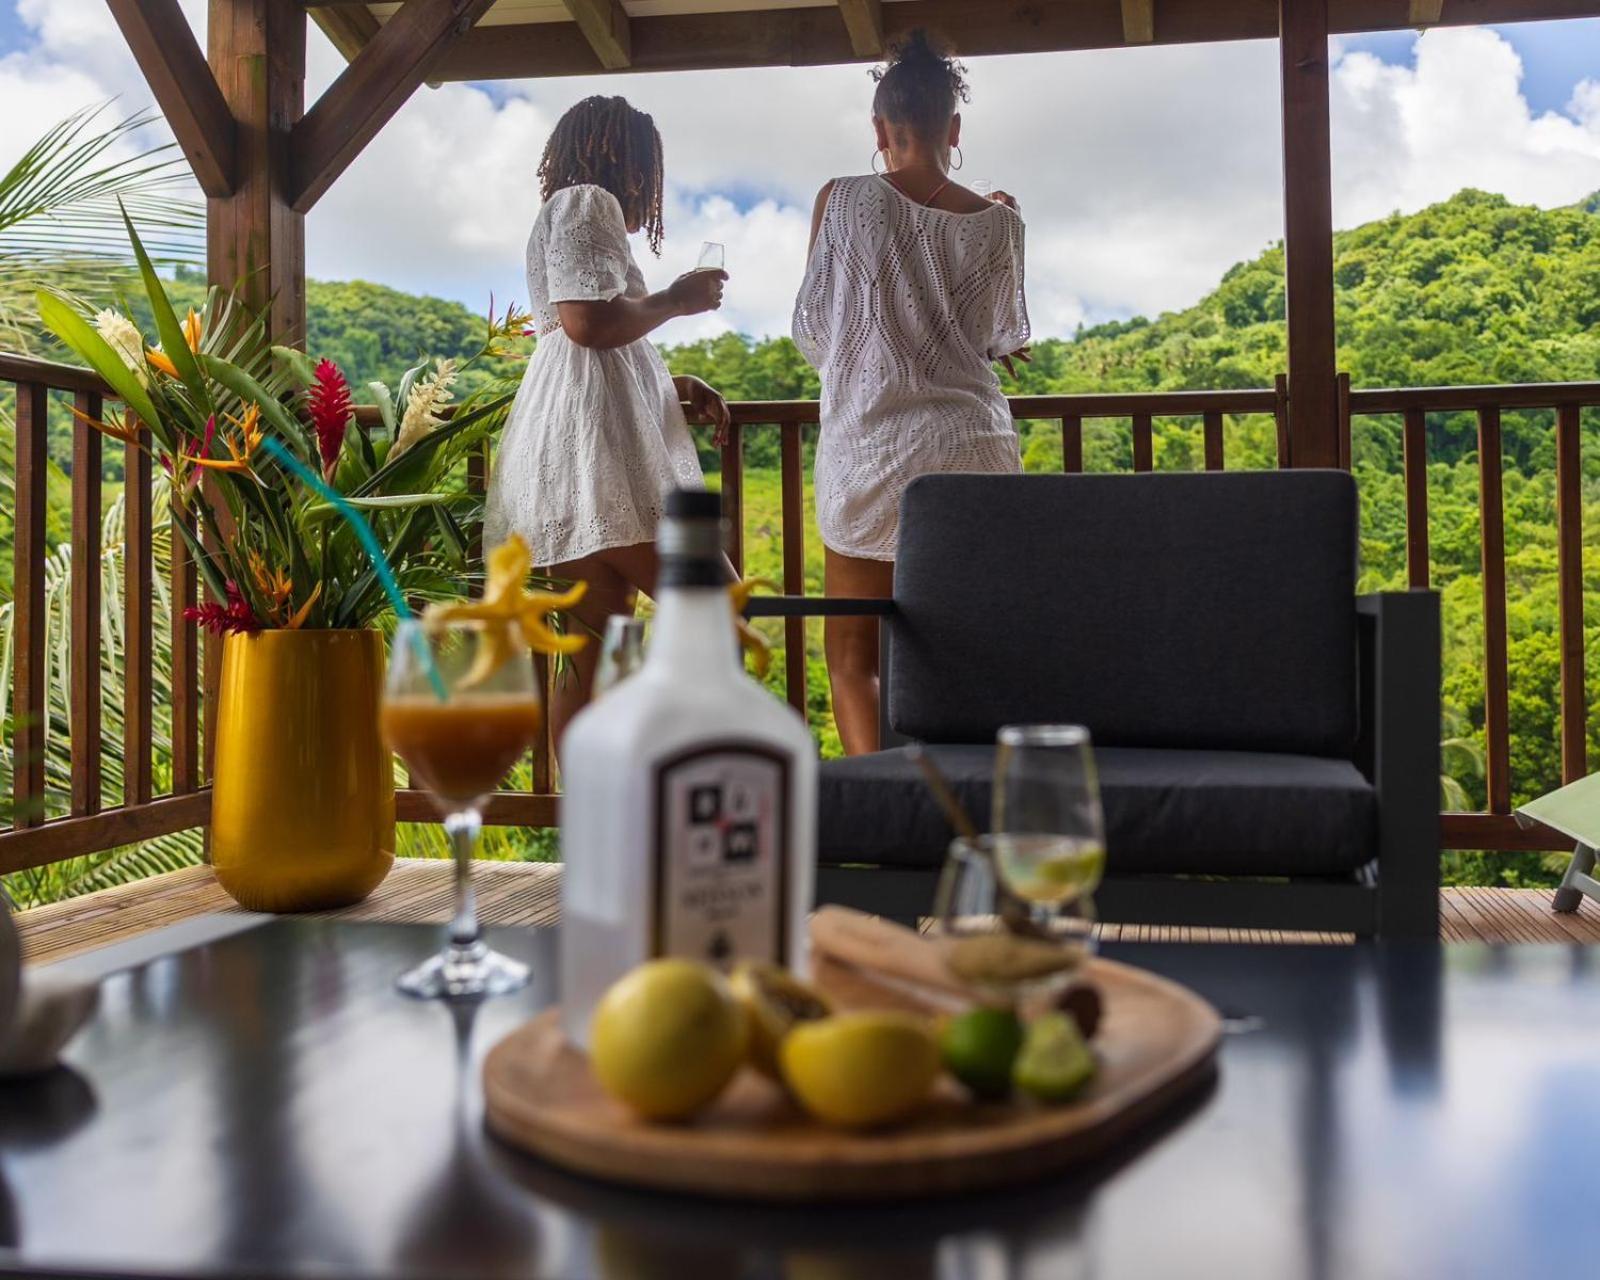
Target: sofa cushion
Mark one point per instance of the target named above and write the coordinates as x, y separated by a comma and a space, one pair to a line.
1213, 611
1167, 811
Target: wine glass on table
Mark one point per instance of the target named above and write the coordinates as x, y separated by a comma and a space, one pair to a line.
1014, 911
1049, 827
460, 707
621, 652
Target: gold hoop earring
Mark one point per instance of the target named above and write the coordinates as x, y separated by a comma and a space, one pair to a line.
960, 159
874, 165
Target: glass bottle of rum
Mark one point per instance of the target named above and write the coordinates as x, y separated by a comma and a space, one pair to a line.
688, 815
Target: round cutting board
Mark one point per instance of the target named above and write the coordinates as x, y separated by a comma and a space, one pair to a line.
1156, 1042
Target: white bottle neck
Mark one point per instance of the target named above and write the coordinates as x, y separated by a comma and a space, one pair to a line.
693, 634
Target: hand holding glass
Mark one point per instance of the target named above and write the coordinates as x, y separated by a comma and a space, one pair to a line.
460, 720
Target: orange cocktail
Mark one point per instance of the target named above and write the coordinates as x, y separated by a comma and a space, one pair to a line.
461, 748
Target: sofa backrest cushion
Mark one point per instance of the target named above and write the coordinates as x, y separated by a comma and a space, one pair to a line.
1210, 611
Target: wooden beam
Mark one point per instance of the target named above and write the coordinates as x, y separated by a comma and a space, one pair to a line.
863, 21
349, 27
1308, 234
1425, 13
164, 46
1139, 21
604, 24
814, 36
255, 243
370, 90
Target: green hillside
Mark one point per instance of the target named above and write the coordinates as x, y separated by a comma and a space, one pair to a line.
1471, 290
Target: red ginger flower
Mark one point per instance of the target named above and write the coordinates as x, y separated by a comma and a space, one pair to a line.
330, 411
233, 618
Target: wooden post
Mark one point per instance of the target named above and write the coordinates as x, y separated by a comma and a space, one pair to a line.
255, 241
1308, 234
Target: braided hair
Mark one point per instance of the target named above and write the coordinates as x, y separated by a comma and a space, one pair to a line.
919, 84
609, 143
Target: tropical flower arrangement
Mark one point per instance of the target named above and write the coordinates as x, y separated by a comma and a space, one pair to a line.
271, 548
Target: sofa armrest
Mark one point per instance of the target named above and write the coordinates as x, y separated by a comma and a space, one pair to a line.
1398, 748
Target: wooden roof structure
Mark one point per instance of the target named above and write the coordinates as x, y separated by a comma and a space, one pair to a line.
264, 158
538, 38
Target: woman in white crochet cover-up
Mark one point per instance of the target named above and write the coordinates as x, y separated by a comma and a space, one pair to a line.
597, 434
912, 292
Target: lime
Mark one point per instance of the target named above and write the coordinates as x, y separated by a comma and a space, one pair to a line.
1055, 1062
666, 1038
979, 1047
861, 1069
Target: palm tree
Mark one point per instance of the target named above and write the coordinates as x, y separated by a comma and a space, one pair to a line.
59, 221
59, 218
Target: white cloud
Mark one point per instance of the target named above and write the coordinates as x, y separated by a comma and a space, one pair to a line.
1143, 173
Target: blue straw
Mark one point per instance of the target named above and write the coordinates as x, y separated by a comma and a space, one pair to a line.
369, 541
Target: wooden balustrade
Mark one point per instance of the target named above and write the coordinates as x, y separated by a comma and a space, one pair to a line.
50, 823
88, 821
1498, 829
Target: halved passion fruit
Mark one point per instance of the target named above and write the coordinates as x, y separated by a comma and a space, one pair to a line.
775, 1002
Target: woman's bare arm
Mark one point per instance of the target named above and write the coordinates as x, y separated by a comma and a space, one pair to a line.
616, 323
817, 212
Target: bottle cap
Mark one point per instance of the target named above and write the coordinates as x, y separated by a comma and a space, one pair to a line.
693, 504
689, 540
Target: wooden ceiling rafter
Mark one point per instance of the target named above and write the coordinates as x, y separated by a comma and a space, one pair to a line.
181, 81
387, 71
1426, 13
1139, 21
606, 27
349, 27
863, 21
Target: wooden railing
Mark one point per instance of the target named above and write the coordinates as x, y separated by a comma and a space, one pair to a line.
90, 823
1497, 829
92, 820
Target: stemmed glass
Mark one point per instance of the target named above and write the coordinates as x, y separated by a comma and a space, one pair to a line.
1014, 910
621, 652
1049, 828
460, 707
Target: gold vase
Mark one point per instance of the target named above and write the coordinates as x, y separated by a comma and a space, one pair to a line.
302, 803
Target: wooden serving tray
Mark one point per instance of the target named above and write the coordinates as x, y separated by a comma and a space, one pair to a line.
1156, 1042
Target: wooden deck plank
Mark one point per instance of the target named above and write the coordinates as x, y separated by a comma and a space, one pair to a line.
529, 893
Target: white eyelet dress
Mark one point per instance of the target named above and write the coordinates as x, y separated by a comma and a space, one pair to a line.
903, 311
595, 438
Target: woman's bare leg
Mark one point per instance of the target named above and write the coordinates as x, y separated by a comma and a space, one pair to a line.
851, 645
615, 578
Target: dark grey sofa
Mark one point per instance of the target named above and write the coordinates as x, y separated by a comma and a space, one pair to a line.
1267, 741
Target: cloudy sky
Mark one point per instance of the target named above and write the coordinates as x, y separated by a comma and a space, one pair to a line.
1143, 173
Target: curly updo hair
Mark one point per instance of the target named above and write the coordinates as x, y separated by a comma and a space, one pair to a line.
920, 83
607, 142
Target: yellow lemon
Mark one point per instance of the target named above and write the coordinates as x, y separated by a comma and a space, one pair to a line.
858, 1070
667, 1038
775, 1002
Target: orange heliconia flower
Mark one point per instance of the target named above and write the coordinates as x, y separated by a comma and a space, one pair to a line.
160, 363
191, 330
115, 429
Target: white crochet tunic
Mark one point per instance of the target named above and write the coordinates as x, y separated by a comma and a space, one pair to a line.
903, 311
594, 438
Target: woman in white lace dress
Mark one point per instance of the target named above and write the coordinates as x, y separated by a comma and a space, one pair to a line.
597, 433
913, 291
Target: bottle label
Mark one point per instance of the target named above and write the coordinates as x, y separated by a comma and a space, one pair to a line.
721, 854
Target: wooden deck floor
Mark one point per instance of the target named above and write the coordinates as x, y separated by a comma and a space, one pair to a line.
513, 893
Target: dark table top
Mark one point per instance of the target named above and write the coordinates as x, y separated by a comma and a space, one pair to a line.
266, 1105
